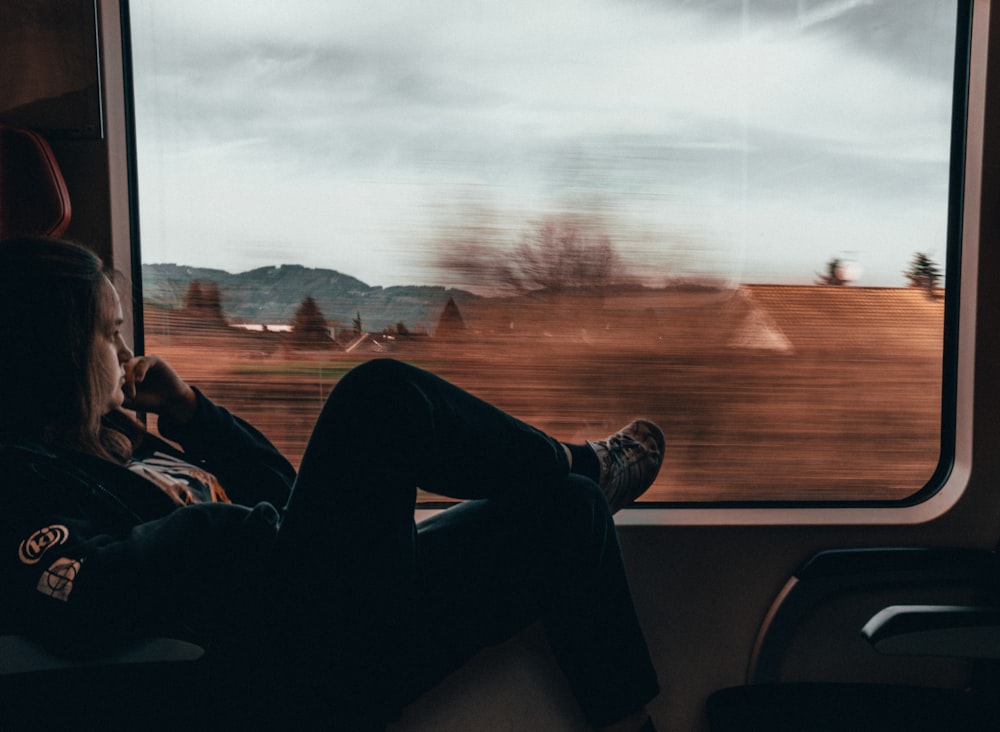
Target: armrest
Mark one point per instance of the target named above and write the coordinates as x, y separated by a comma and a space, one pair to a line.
20, 654
897, 564
836, 571
963, 631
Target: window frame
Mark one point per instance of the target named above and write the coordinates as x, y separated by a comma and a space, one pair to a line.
951, 477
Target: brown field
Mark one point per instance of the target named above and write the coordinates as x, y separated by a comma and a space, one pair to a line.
765, 393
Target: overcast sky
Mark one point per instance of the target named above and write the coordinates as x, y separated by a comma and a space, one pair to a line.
740, 139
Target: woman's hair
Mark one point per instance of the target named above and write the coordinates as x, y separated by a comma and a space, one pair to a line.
53, 298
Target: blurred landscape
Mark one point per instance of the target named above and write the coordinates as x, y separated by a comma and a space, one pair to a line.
765, 392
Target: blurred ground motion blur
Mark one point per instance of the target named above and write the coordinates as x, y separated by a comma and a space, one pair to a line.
764, 392
730, 217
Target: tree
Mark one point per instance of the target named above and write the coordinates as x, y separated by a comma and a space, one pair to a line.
193, 297
563, 253
451, 322
204, 300
923, 273
309, 329
833, 273
559, 252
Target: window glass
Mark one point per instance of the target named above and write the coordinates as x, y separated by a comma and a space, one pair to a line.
728, 217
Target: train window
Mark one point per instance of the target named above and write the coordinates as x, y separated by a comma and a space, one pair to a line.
735, 218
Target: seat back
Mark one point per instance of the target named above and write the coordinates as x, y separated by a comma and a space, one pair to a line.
33, 195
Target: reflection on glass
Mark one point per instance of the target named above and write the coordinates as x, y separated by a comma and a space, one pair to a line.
730, 219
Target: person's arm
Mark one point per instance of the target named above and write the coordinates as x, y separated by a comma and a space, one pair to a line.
78, 588
249, 467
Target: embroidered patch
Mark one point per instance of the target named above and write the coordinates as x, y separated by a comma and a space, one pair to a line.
32, 548
57, 580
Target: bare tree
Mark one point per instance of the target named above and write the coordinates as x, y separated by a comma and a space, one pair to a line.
557, 253
563, 253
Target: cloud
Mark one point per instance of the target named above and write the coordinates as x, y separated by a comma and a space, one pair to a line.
360, 117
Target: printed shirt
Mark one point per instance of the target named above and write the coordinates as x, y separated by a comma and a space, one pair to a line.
183, 482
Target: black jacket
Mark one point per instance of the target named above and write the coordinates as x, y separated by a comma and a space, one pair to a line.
91, 553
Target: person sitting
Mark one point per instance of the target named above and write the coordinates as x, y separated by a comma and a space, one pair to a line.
317, 593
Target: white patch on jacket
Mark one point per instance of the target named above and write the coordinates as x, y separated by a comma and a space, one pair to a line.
31, 549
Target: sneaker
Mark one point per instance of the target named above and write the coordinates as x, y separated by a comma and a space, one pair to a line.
629, 461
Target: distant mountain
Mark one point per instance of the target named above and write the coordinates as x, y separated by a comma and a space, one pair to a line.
273, 294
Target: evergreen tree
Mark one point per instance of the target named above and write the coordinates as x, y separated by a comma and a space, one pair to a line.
211, 299
309, 328
451, 321
833, 273
923, 273
193, 298
204, 300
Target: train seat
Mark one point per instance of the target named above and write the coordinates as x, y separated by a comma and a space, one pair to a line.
33, 194
919, 628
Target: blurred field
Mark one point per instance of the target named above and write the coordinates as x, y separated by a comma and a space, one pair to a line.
764, 392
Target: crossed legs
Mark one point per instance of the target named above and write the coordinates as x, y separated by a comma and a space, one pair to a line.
384, 609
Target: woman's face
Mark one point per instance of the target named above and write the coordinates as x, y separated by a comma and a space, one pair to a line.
110, 352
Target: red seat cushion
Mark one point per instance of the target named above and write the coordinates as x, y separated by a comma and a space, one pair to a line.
33, 195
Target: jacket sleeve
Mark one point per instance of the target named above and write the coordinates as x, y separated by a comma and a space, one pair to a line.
249, 467
79, 589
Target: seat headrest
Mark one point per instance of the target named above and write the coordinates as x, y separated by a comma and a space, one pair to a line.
33, 195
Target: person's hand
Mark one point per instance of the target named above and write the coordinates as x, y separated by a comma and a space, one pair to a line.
151, 385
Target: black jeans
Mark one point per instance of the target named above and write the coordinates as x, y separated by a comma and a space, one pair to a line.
380, 609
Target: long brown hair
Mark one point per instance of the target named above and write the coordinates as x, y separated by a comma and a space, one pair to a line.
53, 297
